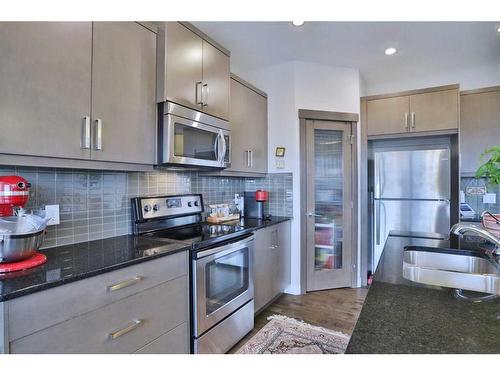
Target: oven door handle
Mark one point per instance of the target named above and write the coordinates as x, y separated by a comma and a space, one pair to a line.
224, 250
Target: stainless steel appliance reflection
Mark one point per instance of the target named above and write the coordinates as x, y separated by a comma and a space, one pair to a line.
222, 286
222, 309
193, 139
410, 189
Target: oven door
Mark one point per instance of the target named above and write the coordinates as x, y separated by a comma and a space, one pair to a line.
190, 142
223, 282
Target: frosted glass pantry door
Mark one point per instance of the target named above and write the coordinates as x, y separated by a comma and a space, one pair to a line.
328, 212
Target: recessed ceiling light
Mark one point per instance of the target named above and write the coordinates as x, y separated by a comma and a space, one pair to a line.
298, 23
391, 51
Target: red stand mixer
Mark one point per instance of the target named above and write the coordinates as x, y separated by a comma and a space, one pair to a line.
14, 192
18, 245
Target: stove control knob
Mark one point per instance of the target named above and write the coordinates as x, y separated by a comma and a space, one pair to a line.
196, 203
147, 208
156, 207
190, 204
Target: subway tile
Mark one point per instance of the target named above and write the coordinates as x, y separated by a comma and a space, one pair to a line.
96, 204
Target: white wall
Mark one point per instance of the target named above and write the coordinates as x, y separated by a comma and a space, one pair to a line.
292, 86
470, 78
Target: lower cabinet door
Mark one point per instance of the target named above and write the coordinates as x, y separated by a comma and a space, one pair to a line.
263, 279
174, 342
121, 327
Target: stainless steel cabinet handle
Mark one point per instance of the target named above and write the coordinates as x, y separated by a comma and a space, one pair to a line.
85, 141
406, 120
251, 158
135, 324
413, 120
247, 153
312, 214
204, 92
124, 284
98, 134
198, 90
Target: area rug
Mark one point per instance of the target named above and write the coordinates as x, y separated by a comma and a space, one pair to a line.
284, 335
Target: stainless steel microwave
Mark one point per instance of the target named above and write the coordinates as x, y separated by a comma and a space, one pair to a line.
193, 139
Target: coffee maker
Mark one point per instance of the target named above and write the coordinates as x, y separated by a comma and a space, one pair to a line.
254, 204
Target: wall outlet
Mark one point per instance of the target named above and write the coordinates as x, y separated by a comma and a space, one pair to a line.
490, 198
280, 163
52, 211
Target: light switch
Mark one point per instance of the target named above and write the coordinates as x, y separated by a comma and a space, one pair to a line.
490, 198
52, 211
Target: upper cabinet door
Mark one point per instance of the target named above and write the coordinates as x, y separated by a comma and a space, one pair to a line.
45, 80
248, 119
479, 127
215, 82
184, 61
123, 93
388, 115
434, 111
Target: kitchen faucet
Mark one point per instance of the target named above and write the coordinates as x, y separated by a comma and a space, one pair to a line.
462, 228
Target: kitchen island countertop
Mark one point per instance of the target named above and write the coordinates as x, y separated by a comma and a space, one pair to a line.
400, 316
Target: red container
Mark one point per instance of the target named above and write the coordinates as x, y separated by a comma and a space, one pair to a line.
261, 196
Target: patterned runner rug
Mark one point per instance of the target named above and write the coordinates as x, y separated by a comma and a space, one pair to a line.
284, 335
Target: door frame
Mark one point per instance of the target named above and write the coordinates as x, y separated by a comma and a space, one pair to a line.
350, 120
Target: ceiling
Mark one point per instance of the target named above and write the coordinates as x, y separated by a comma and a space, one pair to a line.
423, 47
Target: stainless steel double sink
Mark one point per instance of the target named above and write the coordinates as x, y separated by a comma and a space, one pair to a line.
458, 269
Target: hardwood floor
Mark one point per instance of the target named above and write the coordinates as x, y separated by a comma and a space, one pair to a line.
336, 309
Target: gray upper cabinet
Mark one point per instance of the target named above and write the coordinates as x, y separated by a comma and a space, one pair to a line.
45, 83
248, 119
426, 110
388, 115
192, 70
123, 93
434, 111
215, 81
479, 125
184, 66
78, 90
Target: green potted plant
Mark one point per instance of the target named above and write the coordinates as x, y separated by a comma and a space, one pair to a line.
491, 171
491, 168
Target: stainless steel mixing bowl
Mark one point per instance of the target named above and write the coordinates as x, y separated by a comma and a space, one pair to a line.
17, 247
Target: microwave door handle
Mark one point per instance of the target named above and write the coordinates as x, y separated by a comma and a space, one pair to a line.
216, 147
224, 148
220, 147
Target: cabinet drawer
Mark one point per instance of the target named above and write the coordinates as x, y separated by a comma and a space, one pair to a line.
173, 342
160, 309
56, 305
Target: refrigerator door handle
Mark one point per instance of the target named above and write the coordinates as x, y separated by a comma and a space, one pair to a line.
377, 221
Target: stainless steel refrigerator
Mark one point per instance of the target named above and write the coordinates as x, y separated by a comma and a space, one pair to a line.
410, 190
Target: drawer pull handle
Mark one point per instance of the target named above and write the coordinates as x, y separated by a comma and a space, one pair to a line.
124, 284
135, 324
273, 246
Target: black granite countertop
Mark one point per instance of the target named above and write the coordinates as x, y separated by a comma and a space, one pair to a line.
71, 263
66, 264
400, 316
255, 224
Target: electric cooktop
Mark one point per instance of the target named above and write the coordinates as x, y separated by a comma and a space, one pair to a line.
200, 235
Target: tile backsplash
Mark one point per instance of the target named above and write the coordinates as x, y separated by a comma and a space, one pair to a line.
476, 201
96, 204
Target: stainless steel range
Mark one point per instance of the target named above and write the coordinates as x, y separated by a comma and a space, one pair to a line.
221, 279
